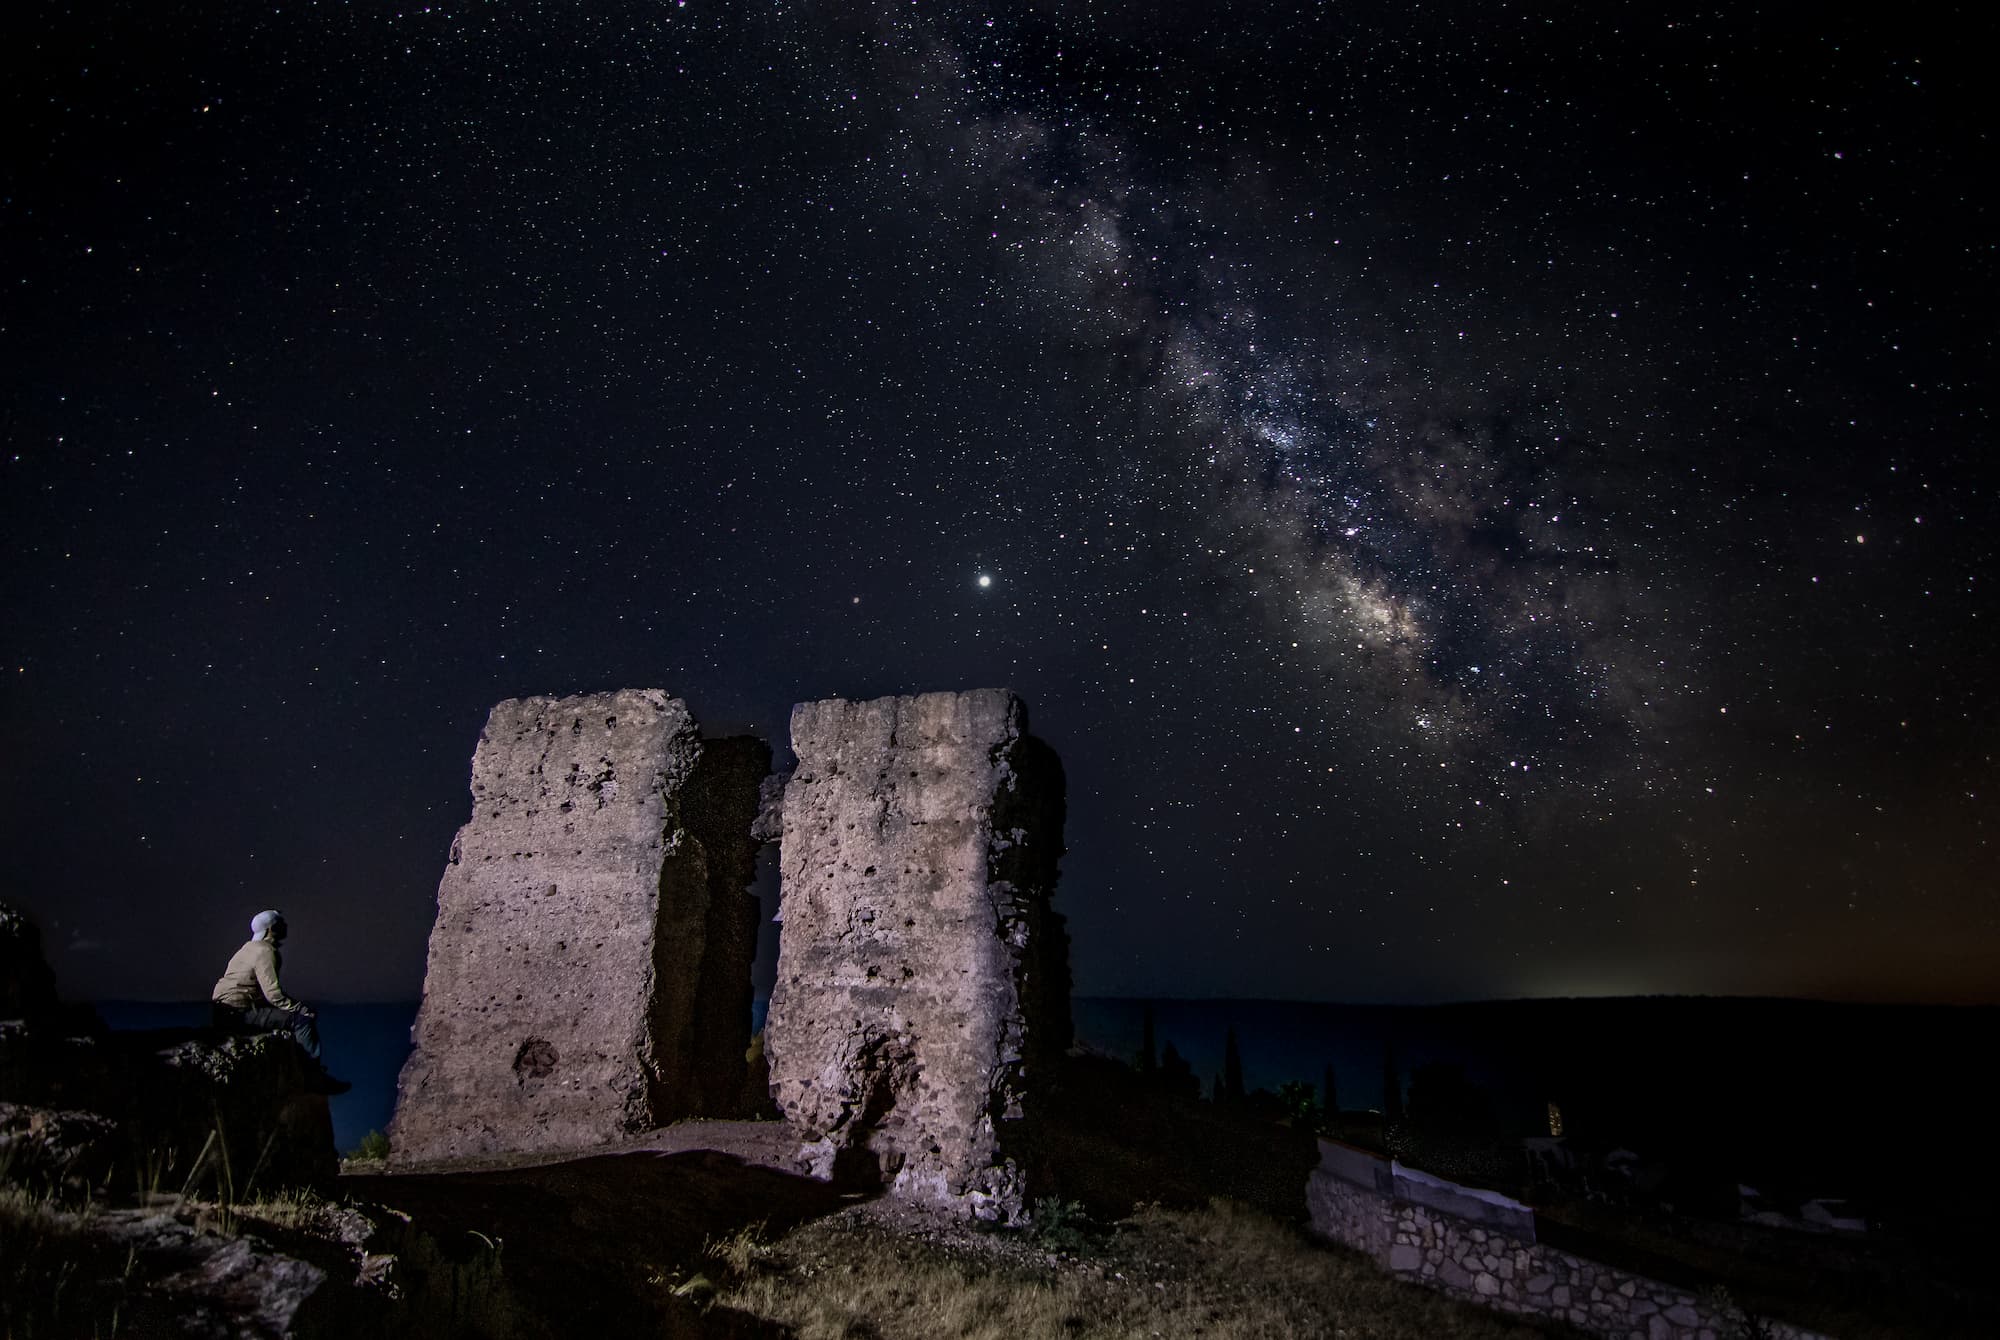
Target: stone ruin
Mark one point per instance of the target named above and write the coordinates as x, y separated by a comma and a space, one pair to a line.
589, 970
923, 987
587, 976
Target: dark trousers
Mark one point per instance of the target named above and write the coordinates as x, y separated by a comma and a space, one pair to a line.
264, 1019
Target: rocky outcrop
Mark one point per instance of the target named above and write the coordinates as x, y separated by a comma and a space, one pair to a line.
579, 986
299, 1270
232, 1115
922, 992
191, 1109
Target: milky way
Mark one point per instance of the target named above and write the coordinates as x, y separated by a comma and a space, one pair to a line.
1484, 502
1426, 495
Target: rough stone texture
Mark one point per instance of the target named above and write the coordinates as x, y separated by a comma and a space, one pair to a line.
770, 824
592, 905
61, 1151
249, 1093
1365, 1202
330, 1273
923, 992
720, 809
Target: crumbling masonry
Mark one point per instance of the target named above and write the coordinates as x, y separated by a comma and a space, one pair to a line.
591, 924
923, 989
589, 972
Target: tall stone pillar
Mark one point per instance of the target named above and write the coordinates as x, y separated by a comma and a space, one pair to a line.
923, 990
588, 908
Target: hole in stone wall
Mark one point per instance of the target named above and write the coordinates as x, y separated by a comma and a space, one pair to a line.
536, 1059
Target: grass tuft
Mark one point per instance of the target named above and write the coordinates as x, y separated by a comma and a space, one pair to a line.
1223, 1273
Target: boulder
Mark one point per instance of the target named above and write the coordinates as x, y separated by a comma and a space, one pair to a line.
922, 993
591, 923
229, 1116
286, 1271
49, 1150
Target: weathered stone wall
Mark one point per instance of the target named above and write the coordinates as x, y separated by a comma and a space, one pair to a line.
1392, 1215
582, 920
922, 991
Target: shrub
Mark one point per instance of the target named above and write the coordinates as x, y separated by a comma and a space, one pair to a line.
1059, 1225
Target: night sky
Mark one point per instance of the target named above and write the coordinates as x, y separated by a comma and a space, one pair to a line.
1486, 499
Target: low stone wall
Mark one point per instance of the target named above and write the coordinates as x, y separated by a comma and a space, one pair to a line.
1480, 1247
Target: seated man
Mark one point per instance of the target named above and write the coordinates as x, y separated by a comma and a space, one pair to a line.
248, 999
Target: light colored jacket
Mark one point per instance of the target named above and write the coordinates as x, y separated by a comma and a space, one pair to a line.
251, 980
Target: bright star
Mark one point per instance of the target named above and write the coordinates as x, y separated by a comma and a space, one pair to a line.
985, 579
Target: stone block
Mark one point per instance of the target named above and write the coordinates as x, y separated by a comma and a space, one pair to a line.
1403, 1257
923, 984
592, 923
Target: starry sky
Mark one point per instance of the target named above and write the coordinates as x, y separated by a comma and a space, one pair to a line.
1487, 499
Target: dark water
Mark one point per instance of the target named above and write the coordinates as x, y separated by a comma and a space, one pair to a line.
1884, 1102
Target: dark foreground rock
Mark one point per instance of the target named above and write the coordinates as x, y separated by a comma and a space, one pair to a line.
173, 1109
286, 1270
53, 1152
609, 1244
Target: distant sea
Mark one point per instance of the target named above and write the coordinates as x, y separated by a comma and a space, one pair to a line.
1836, 1099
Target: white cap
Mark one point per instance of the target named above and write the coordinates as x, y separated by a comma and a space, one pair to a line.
262, 922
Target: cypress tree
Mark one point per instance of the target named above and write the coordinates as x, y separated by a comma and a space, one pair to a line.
1329, 1098
1392, 1085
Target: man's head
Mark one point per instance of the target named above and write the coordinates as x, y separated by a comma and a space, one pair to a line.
268, 925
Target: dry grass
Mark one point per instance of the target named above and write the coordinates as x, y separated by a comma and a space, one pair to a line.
52, 1276
1226, 1273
